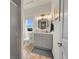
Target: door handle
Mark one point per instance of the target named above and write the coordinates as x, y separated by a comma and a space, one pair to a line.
59, 44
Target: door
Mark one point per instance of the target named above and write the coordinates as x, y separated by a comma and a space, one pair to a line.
57, 39
60, 45
57, 35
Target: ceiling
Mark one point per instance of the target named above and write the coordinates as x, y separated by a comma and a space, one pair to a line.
34, 3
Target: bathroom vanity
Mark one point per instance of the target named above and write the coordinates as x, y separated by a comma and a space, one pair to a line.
43, 40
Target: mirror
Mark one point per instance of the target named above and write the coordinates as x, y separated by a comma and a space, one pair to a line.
42, 24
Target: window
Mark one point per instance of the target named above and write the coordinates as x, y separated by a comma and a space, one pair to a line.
29, 24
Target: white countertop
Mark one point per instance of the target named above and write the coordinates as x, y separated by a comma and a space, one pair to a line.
39, 32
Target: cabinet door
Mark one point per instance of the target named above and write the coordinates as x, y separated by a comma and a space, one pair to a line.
43, 41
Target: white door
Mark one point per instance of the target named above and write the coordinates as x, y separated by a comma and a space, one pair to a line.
57, 35
65, 48
57, 39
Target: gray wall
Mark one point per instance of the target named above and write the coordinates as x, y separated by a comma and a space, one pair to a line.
18, 2
15, 31
65, 29
65, 33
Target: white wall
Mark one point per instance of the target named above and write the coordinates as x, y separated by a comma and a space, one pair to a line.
36, 11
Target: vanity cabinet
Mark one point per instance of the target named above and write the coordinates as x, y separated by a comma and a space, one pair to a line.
43, 40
